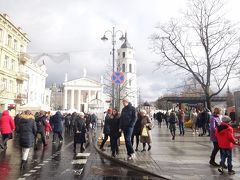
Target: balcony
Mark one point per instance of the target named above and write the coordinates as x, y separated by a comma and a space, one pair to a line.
21, 76
23, 58
20, 98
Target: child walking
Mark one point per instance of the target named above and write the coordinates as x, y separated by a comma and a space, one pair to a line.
224, 134
48, 128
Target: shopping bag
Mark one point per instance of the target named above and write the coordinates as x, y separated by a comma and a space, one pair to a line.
144, 132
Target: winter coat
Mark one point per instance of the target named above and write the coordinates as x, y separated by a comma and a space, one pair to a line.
146, 122
56, 122
128, 117
79, 129
193, 117
7, 124
181, 116
224, 134
137, 127
214, 122
27, 130
106, 128
41, 122
114, 126
48, 127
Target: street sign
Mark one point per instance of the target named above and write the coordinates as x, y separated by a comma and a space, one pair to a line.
118, 77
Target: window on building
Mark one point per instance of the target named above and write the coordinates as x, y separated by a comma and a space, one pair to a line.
13, 65
9, 41
6, 62
4, 83
1, 34
130, 82
130, 68
21, 48
11, 86
15, 45
123, 68
123, 54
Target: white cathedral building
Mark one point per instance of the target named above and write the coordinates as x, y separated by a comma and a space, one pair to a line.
127, 64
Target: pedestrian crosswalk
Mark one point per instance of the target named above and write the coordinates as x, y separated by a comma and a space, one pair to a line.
79, 163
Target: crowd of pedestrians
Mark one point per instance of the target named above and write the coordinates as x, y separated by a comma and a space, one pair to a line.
31, 130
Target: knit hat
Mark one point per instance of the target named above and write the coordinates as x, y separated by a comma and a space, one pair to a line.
226, 119
81, 114
109, 110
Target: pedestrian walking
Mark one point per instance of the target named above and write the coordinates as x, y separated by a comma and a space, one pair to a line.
56, 123
215, 121
166, 117
127, 122
137, 131
172, 124
114, 132
41, 123
106, 128
7, 126
67, 123
94, 119
181, 118
146, 127
27, 130
224, 134
193, 117
204, 120
48, 128
79, 132
159, 117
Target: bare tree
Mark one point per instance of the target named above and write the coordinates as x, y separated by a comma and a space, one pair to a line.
202, 43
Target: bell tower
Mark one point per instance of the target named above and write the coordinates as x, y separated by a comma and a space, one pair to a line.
127, 64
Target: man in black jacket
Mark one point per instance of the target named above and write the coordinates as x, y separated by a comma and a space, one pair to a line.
40, 122
127, 122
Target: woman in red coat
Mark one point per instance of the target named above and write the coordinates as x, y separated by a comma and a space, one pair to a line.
7, 126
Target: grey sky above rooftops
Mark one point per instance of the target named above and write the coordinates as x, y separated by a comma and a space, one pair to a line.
76, 26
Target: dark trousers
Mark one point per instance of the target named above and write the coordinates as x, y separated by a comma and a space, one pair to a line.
127, 136
214, 151
75, 145
181, 128
104, 140
226, 154
42, 137
59, 136
137, 140
114, 144
5, 138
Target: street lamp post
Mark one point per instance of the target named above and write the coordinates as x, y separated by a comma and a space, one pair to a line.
104, 38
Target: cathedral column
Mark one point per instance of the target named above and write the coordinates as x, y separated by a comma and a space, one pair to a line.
79, 99
72, 99
65, 98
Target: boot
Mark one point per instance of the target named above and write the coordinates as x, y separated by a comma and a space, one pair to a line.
23, 164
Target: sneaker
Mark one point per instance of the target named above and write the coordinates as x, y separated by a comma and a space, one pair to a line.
133, 155
231, 172
129, 158
220, 170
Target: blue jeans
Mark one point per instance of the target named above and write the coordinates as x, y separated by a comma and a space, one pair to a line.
127, 136
181, 128
226, 154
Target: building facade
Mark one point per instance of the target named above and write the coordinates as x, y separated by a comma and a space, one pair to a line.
127, 64
13, 56
83, 95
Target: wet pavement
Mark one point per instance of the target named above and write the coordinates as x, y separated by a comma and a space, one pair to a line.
57, 161
184, 158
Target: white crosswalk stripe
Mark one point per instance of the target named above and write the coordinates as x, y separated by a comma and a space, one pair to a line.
79, 161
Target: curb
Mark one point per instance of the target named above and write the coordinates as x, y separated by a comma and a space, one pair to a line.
127, 164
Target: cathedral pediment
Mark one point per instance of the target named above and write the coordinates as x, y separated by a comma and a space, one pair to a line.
82, 82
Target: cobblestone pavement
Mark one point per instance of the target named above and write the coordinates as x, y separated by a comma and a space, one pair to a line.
184, 158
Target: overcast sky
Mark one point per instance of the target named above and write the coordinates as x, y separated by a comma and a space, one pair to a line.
76, 26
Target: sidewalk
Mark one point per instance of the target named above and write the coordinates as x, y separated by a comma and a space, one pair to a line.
184, 158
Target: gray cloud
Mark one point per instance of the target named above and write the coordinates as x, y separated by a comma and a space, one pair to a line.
76, 26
